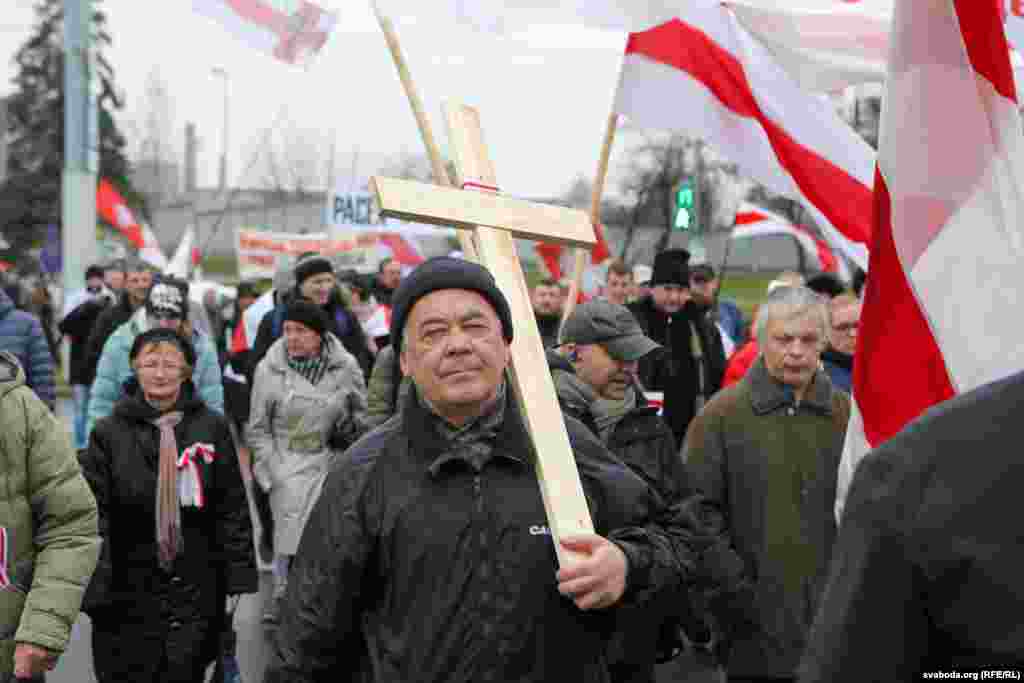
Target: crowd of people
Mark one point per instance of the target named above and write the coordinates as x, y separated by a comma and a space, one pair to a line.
372, 423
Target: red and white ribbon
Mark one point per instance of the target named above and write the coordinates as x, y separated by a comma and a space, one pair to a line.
190, 479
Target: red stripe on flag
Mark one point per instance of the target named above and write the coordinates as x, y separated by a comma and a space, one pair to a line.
401, 250
982, 27
601, 252
749, 217
825, 256
900, 371
839, 196
259, 13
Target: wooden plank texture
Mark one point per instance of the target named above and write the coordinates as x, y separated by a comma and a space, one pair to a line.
425, 203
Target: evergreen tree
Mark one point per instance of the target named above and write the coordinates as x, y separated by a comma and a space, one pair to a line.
30, 199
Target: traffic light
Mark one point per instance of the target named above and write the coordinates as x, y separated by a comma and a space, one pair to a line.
684, 207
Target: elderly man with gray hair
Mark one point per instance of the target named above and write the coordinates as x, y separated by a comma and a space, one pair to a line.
764, 455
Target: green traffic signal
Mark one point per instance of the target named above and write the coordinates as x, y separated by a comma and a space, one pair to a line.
684, 207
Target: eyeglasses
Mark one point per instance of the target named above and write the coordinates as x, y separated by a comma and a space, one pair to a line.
153, 366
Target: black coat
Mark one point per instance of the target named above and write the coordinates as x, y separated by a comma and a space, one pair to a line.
78, 325
674, 370
927, 568
419, 567
148, 614
111, 318
644, 443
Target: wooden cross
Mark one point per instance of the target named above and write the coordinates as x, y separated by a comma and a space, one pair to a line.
494, 220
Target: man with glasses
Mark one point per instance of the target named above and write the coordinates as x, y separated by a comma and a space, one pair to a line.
844, 316
138, 278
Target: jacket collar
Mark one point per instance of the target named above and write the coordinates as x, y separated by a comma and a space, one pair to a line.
843, 360
133, 405
278, 358
768, 394
427, 445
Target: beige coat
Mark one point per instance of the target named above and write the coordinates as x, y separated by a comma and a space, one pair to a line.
289, 428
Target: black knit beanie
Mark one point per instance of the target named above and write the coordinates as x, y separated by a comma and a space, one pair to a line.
308, 266
308, 313
162, 335
445, 272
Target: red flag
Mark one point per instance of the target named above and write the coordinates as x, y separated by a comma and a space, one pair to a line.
551, 255
112, 208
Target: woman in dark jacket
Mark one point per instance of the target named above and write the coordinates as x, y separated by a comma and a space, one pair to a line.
315, 280
177, 539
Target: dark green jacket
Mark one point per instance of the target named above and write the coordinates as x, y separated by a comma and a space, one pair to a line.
766, 468
49, 515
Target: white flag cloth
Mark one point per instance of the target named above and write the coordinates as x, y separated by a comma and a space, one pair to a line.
947, 255
290, 30
830, 44
704, 74
500, 16
826, 45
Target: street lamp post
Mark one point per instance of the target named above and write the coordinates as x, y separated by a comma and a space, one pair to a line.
222, 74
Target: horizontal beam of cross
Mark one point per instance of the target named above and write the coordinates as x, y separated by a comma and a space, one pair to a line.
424, 203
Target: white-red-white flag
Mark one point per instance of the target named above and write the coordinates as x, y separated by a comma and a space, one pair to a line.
753, 221
290, 30
703, 73
947, 254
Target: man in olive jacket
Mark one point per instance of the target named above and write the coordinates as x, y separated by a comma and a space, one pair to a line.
50, 538
764, 455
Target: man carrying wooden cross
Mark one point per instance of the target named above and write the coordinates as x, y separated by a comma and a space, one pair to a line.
428, 556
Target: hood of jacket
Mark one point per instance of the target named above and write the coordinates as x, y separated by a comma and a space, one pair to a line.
6, 305
12, 375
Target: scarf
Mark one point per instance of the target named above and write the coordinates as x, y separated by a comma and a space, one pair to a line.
581, 397
474, 440
313, 368
168, 510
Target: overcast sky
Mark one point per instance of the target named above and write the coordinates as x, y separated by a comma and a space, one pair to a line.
544, 98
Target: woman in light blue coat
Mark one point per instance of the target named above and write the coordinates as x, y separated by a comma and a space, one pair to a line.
166, 306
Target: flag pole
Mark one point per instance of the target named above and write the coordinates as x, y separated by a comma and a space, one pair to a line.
595, 214
437, 164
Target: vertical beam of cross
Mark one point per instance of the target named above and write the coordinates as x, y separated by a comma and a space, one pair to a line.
533, 386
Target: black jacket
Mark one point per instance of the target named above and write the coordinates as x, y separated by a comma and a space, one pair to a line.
643, 442
129, 592
111, 318
343, 324
926, 571
549, 326
78, 325
422, 568
674, 371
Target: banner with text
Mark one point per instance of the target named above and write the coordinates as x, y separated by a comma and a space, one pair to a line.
261, 252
